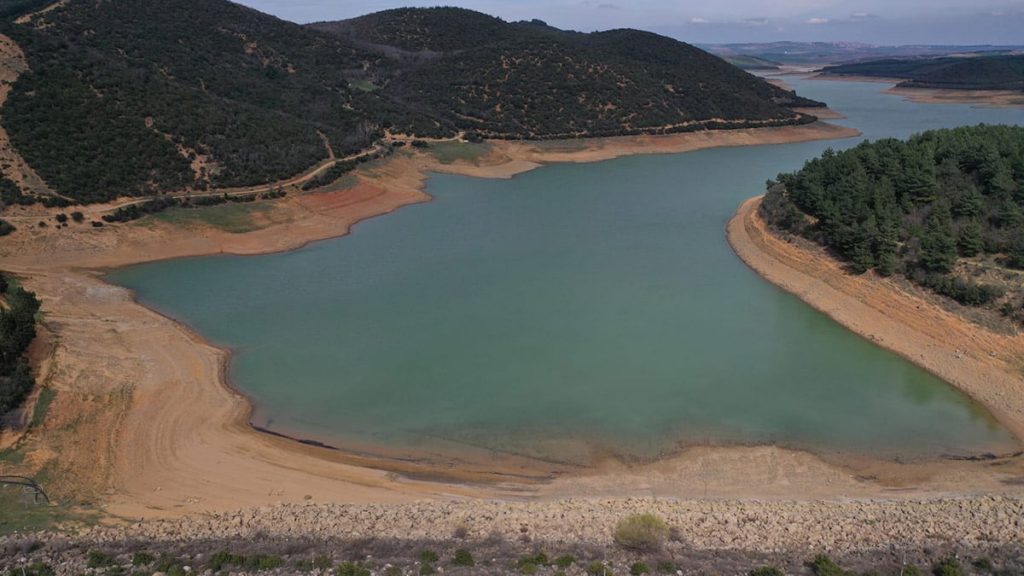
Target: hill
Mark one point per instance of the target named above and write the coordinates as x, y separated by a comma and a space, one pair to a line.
945, 209
529, 80
141, 97
977, 72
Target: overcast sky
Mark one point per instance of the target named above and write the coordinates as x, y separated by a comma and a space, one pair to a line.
870, 21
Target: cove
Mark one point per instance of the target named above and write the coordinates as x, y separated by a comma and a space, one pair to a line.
568, 313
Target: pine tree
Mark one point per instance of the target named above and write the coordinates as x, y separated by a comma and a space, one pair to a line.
938, 244
1017, 250
970, 241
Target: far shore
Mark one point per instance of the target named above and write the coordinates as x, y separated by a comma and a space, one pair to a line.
147, 426
985, 98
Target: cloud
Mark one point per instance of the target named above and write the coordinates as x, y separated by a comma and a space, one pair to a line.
862, 16
609, 6
698, 20
754, 21
817, 21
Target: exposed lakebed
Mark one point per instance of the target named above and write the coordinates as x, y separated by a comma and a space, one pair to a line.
572, 311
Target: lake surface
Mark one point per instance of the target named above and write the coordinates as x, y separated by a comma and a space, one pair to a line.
571, 311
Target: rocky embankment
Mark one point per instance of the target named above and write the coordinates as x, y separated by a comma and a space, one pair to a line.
725, 536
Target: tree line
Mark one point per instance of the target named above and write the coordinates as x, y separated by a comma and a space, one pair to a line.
923, 208
17, 330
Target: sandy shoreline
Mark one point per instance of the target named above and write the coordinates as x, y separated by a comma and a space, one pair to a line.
147, 425
985, 365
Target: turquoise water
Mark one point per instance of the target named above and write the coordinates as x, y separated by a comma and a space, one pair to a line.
570, 311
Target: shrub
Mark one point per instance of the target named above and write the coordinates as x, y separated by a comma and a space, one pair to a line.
638, 569
822, 565
564, 561
463, 558
528, 568
268, 562
538, 559
428, 556
62, 217
319, 562
641, 532
949, 566
426, 568
983, 564
142, 559
36, 569
78, 217
666, 567
350, 569
6, 227
99, 559
766, 571
596, 568
222, 559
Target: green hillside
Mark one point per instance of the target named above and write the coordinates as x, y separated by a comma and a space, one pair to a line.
527, 79
138, 97
979, 72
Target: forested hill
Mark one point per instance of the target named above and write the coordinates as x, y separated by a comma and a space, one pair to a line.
945, 209
528, 79
138, 97
981, 72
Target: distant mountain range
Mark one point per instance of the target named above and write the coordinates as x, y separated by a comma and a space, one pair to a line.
817, 54
137, 97
975, 72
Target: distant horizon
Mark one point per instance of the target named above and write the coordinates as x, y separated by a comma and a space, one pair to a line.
872, 22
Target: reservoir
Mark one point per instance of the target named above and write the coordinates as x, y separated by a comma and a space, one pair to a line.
572, 312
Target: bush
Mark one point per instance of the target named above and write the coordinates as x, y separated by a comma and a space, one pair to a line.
766, 571
6, 227
463, 558
638, 569
261, 562
948, 567
99, 559
428, 556
142, 559
641, 532
78, 217
426, 568
36, 569
822, 565
350, 569
596, 568
62, 218
538, 559
222, 559
983, 564
666, 567
564, 561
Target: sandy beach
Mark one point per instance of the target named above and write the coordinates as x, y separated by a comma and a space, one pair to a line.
144, 424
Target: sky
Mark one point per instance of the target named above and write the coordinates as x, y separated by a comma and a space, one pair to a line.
722, 21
